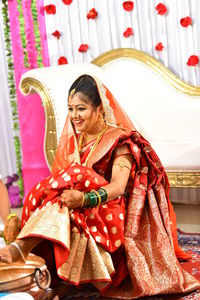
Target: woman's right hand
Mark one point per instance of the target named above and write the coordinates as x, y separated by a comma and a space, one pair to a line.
72, 198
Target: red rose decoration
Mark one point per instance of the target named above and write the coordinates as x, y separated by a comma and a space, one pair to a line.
159, 47
128, 5
83, 48
50, 9
193, 60
185, 22
161, 9
67, 2
92, 14
62, 60
128, 32
56, 34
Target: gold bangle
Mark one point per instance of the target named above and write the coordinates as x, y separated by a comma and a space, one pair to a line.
82, 200
10, 216
122, 165
98, 196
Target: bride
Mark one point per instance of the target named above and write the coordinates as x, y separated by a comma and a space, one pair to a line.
104, 215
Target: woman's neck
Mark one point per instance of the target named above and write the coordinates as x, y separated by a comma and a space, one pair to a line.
94, 132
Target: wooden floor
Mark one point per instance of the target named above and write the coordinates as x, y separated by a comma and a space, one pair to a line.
188, 217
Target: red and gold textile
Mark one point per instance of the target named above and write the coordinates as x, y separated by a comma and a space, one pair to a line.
87, 234
89, 242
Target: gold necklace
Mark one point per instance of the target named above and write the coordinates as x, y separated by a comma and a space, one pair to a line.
80, 142
95, 144
88, 139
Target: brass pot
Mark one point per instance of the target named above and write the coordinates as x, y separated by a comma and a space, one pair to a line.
18, 277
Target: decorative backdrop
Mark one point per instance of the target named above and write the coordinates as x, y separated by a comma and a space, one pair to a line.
7, 151
79, 31
10, 150
29, 51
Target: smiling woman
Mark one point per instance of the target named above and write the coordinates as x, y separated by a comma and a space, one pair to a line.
84, 115
85, 109
105, 208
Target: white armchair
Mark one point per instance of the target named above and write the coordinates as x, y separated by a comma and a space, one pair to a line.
163, 108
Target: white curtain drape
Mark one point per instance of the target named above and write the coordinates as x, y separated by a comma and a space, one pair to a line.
7, 150
106, 31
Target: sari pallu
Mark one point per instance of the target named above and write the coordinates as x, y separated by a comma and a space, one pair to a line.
150, 238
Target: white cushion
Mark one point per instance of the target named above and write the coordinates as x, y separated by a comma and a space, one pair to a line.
168, 118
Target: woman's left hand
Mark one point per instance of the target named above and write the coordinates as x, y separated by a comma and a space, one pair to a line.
72, 198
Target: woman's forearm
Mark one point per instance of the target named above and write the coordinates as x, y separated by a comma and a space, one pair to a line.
114, 190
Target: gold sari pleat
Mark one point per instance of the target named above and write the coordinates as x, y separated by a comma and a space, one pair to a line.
98, 264
71, 268
77, 263
46, 222
87, 262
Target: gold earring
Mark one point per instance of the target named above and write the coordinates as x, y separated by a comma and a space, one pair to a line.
100, 117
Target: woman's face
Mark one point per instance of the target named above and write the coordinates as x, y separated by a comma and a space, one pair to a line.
84, 116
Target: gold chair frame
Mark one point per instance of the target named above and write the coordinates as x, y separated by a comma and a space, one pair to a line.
32, 85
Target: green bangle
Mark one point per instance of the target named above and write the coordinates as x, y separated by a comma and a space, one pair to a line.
103, 194
93, 199
98, 197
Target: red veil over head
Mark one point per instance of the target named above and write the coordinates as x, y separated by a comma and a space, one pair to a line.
114, 115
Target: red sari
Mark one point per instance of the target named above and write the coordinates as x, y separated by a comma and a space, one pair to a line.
125, 255
83, 239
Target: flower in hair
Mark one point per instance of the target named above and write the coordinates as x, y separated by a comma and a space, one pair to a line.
193, 60
128, 32
83, 48
92, 14
161, 9
50, 9
185, 22
128, 5
159, 47
73, 91
62, 60
56, 34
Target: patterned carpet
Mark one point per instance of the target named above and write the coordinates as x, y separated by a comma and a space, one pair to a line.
190, 242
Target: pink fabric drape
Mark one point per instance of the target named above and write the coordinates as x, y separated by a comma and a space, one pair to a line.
42, 28
31, 113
